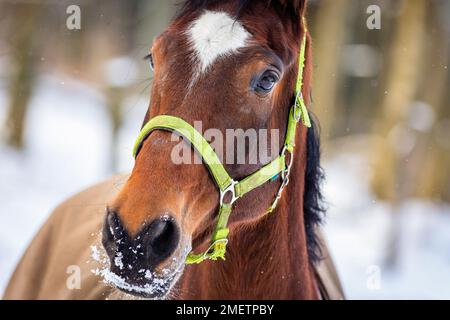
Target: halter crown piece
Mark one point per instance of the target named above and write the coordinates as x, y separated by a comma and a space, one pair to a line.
231, 190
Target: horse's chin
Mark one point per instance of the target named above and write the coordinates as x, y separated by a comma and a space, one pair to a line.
133, 280
157, 287
160, 295
141, 293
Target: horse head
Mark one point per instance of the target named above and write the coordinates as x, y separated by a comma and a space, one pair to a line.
232, 67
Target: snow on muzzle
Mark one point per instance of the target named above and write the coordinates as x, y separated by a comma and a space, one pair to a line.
147, 264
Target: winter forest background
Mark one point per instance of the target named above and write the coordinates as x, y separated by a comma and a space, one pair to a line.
72, 102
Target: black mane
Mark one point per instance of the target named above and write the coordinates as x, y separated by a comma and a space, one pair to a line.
190, 6
313, 204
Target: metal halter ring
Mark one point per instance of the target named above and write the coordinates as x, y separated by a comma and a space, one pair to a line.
287, 169
231, 189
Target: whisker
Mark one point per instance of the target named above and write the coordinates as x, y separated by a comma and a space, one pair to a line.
139, 97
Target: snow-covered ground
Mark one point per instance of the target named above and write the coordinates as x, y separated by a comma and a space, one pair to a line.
68, 148
358, 229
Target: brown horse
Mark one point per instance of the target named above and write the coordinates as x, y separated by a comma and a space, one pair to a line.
231, 65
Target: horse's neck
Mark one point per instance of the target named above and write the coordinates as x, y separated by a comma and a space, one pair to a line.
268, 260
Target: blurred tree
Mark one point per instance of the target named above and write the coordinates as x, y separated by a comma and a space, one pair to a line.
390, 152
21, 78
330, 26
115, 96
145, 20
136, 23
121, 27
401, 86
434, 155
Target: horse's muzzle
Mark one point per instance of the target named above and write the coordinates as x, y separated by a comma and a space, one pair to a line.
136, 262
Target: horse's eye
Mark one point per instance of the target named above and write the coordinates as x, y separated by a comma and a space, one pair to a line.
149, 58
267, 81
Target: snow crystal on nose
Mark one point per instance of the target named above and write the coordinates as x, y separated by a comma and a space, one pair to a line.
118, 261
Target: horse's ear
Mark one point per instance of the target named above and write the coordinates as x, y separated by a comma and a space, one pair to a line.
297, 7
291, 10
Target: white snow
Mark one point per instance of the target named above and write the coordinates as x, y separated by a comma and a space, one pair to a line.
158, 285
118, 261
161, 282
357, 229
95, 253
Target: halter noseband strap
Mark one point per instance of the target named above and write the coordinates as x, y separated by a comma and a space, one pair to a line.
231, 190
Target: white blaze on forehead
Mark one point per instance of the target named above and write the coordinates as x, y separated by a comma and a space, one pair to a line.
216, 34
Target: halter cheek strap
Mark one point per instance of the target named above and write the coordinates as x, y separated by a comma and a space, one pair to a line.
231, 190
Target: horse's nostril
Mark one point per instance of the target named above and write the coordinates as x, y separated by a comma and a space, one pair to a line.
152, 245
161, 237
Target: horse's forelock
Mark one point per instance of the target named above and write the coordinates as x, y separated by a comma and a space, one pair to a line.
293, 7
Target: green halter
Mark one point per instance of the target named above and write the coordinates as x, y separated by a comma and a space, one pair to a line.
231, 190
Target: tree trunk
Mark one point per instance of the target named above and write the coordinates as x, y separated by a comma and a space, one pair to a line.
329, 32
434, 156
405, 65
22, 77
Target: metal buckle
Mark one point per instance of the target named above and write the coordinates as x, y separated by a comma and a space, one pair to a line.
298, 97
231, 189
288, 167
285, 177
